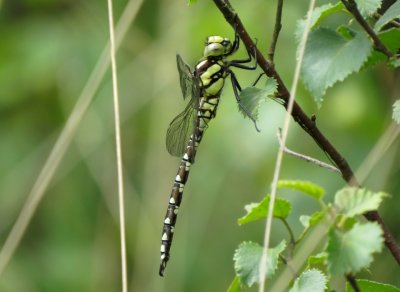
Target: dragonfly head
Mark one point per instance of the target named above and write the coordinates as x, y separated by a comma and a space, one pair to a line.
217, 46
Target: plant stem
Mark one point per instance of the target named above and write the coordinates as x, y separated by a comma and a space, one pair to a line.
277, 29
351, 6
352, 281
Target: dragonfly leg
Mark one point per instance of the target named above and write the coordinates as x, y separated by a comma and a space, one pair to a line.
258, 79
239, 63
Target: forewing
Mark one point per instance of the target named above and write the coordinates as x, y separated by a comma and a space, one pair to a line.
185, 76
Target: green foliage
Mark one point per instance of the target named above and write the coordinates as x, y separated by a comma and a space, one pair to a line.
371, 286
310, 280
306, 187
390, 14
368, 7
330, 58
247, 261
252, 97
349, 247
256, 211
329, 55
355, 201
349, 252
396, 111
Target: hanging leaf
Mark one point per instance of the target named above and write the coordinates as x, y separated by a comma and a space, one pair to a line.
351, 251
311, 280
252, 97
396, 111
368, 7
392, 13
256, 211
330, 58
306, 187
247, 261
355, 201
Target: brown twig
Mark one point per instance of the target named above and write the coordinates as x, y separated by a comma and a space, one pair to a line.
305, 157
351, 6
277, 29
303, 120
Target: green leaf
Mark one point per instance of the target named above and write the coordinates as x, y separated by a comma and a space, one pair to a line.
368, 7
318, 261
330, 58
391, 39
256, 211
318, 15
310, 221
247, 261
318, 258
235, 286
392, 13
314, 219
351, 251
252, 97
355, 201
396, 111
306, 187
311, 280
371, 286
190, 2
346, 223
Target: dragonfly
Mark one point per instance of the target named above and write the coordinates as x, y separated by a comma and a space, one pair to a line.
202, 86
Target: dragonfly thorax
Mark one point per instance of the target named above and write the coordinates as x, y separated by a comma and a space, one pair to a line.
217, 46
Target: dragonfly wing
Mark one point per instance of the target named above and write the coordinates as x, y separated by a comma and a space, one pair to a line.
185, 76
180, 129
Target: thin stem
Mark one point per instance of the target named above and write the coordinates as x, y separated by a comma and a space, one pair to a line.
277, 29
291, 235
351, 6
63, 142
268, 225
353, 283
307, 124
288, 264
305, 157
117, 124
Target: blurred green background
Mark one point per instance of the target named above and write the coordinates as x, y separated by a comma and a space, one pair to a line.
47, 52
